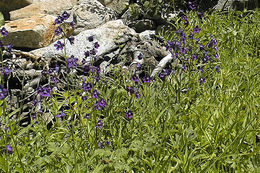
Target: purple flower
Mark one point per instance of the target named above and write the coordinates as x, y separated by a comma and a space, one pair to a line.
102, 103
4, 32
90, 38
191, 35
216, 56
101, 145
10, 149
137, 95
202, 80
84, 98
194, 57
140, 56
129, 115
6, 71
54, 79
93, 51
62, 114
87, 54
59, 20
147, 79
135, 78
9, 47
86, 69
71, 40
217, 69
72, 24
192, 5
201, 15
100, 124
59, 45
72, 62
87, 116
3, 92
58, 31
95, 94
196, 29
96, 45
44, 91
131, 90
87, 86
65, 15
138, 66
33, 116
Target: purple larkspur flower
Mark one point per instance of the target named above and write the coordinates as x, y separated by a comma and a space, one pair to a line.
102, 103
95, 94
57, 68
65, 15
196, 29
4, 32
138, 66
35, 102
192, 5
217, 68
202, 80
72, 24
10, 149
137, 95
194, 57
84, 98
129, 114
91, 38
135, 79
147, 79
6, 71
59, 20
100, 124
191, 35
3, 92
140, 56
87, 86
96, 45
87, 53
86, 69
130, 89
54, 79
59, 45
44, 91
72, 62
101, 145
216, 56
61, 114
202, 47
33, 116
71, 40
201, 15
58, 31
87, 116
93, 51
183, 50
9, 47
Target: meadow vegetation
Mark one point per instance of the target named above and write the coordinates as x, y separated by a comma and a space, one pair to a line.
200, 114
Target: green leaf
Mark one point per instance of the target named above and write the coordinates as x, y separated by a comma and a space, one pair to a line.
2, 20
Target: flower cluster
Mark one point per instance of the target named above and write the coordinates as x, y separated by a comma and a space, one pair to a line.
59, 31
8, 47
191, 52
3, 92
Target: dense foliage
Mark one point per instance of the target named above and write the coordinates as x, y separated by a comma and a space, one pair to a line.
200, 114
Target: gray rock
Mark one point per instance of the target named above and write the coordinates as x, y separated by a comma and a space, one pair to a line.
105, 35
90, 14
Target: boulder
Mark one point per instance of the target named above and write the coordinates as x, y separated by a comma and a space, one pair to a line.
33, 32
9, 5
90, 14
105, 35
118, 6
51, 7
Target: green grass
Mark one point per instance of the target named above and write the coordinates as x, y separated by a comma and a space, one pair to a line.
210, 128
